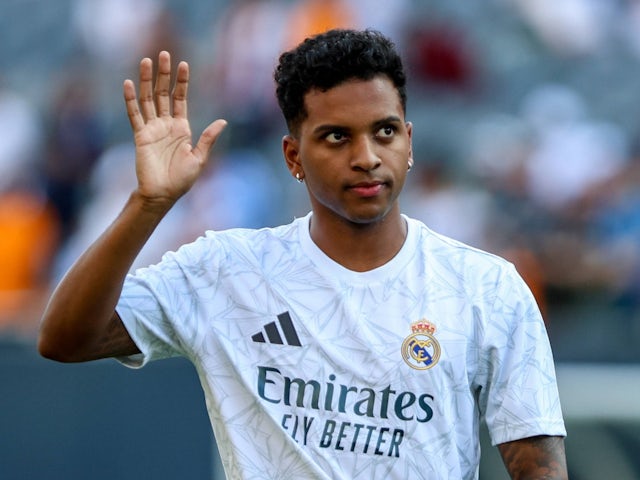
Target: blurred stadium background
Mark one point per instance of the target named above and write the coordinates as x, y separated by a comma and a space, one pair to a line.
526, 141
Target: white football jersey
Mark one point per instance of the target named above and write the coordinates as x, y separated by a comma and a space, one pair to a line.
311, 370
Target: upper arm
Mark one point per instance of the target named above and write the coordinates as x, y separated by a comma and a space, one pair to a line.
539, 458
116, 341
112, 341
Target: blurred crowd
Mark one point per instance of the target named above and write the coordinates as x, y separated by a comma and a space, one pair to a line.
526, 134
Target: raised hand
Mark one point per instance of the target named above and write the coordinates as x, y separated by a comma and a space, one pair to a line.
167, 164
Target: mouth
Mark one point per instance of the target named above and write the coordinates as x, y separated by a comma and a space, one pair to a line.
367, 189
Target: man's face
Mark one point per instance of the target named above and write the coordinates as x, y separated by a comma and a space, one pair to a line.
352, 150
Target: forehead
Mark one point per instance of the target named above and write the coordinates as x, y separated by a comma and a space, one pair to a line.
352, 103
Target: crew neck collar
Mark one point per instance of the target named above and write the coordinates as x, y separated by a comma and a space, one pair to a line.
333, 269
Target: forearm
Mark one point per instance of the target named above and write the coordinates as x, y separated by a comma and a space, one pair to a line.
535, 458
79, 312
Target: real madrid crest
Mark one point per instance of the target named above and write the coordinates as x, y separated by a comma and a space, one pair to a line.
420, 350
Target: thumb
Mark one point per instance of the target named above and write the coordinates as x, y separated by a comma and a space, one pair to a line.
208, 138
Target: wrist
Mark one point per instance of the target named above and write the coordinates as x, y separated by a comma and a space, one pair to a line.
156, 206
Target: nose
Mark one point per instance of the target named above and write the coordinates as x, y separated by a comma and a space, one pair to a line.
364, 154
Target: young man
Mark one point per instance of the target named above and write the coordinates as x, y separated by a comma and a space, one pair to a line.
351, 343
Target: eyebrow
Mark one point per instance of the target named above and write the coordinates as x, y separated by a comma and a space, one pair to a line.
387, 120
321, 129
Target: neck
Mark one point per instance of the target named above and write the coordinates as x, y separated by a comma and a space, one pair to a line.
360, 247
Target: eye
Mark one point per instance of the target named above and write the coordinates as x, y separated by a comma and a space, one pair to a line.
335, 137
388, 131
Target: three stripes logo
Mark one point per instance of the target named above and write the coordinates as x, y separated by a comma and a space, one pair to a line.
275, 331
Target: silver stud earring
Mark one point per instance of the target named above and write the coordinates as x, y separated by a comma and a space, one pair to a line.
299, 178
409, 165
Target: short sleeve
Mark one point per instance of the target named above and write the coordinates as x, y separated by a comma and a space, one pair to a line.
149, 311
516, 377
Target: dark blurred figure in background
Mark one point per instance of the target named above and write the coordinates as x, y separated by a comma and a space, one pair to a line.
75, 141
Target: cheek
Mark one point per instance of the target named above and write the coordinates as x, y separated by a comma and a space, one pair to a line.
322, 182
319, 165
401, 157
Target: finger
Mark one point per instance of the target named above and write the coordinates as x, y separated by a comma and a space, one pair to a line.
208, 138
146, 89
180, 91
133, 111
163, 83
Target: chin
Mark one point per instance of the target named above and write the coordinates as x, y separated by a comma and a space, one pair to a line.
367, 218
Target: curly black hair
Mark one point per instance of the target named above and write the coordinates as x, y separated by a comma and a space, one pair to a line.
329, 59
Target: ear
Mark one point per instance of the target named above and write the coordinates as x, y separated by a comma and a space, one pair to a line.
409, 126
291, 152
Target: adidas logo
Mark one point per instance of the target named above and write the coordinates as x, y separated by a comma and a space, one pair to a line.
274, 331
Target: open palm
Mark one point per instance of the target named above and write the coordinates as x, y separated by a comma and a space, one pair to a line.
167, 164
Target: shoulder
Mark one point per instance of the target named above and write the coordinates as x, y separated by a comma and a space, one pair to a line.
254, 239
471, 274
236, 244
459, 257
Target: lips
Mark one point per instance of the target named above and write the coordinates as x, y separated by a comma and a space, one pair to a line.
367, 189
